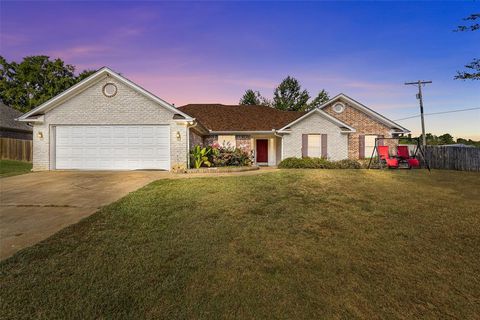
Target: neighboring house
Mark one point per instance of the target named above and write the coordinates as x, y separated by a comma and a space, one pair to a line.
108, 122
9, 128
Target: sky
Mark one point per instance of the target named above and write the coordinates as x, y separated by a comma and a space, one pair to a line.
211, 52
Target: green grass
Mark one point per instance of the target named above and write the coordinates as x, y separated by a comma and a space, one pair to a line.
293, 244
12, 168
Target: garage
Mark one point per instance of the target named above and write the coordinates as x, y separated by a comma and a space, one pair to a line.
107, 122
112, 147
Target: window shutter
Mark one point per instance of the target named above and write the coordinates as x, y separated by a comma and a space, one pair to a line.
324, 146
380, 142
304, 145
361, 146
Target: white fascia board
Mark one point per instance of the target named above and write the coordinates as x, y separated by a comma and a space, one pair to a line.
365, 109
37, 119
185, 120
92, 79
324, 114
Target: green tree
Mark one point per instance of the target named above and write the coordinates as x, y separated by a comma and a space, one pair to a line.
251, 97
446, 139
473, 68
289, 96
84, 74
320, 99
36, 79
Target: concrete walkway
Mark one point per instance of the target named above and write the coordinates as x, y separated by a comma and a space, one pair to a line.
36, 205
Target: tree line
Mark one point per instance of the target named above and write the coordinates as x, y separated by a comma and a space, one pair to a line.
287, 96
443, 139
27, 84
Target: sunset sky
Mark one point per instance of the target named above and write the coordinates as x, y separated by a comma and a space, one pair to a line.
193, 52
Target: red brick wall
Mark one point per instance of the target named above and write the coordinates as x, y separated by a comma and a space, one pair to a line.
195, 139
364, 124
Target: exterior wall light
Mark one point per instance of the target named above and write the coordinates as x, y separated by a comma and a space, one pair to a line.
40, 135
179, 137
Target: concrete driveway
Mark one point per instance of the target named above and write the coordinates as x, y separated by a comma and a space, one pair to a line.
36, 205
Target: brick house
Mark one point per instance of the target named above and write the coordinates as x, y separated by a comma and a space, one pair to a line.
107, 122
341, 128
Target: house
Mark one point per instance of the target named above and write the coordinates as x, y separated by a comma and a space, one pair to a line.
9, 128
108, 122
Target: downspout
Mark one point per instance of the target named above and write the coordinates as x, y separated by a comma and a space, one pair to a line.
193, 125
281, 145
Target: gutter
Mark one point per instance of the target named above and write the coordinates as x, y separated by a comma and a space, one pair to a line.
240, 132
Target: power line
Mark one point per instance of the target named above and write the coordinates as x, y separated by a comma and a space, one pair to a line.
442, 112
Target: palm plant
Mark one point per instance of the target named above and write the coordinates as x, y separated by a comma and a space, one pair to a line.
200, 156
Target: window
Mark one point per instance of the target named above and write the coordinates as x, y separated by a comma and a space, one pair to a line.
339, 107
369, 146
109, 90
227, 141
314, 146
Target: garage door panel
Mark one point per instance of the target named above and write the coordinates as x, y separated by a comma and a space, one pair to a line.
112, 147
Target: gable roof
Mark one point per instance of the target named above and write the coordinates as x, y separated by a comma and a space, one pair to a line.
365, 109
345, 127
7, 119
73, 90
239, 118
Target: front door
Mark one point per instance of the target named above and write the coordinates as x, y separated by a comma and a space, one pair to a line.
262, 150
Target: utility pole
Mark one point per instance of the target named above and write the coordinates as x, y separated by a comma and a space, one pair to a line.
419, 83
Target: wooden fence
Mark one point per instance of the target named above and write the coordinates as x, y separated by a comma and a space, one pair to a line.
16, 149
453, 158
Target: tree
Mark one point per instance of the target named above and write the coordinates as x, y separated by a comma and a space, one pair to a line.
320, 99
473, 72
251, 97
36, 79
289, 95
446, 139
84, 74
470, 75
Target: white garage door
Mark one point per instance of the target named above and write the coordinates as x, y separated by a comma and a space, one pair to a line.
112, 147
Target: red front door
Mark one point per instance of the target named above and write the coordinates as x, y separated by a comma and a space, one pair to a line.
262, 150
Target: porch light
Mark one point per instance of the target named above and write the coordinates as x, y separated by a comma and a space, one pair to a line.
178, 135
40, 135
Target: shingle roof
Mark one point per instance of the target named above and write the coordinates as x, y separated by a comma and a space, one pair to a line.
220, 117
7, 119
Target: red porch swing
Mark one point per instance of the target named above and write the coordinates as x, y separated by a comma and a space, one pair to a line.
403, 159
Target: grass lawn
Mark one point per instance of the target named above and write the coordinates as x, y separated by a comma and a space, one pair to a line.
12, 168
291, 244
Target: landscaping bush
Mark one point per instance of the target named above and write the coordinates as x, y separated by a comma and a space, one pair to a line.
318, 163
348, 164
306, 163
219, 156
223, 156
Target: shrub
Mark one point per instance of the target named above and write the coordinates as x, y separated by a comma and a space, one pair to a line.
307, 163
223, 156
318, 163
219, 156
348, 164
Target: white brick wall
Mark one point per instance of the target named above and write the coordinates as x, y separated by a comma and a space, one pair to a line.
337, 143
92, 107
